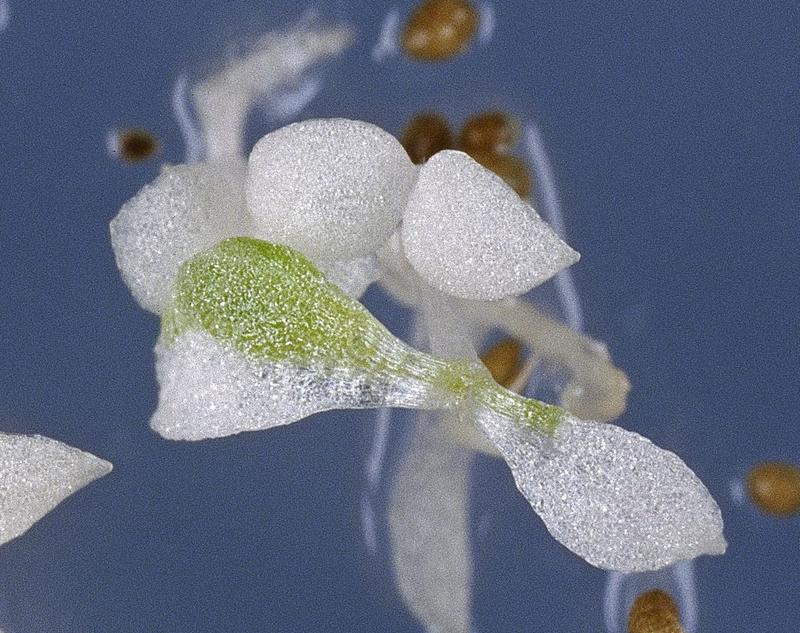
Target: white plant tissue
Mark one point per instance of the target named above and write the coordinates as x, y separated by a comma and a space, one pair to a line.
277, 61
36, 474
186, 209
468, 234
331, 188
353, 276
337, 190
5, 15
611, 496
208, 390
429, 526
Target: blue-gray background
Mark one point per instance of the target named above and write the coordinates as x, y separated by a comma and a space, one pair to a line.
673, 129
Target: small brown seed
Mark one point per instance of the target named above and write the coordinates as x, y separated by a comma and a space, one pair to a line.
494, 132
136, 145
510, 168
775, 488
438, 29
654, 611
504, 361
425, 135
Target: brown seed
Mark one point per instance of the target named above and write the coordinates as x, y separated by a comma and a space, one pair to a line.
654, 611
504, 361
775, 488
425, 135
494, 132
438, 29
136, 145
510, 168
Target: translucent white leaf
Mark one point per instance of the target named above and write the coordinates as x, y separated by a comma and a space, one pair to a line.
36, 474
210, 390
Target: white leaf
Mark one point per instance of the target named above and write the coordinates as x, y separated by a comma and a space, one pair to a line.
331, 188
610, 495
186, 209
36, 474
468, 234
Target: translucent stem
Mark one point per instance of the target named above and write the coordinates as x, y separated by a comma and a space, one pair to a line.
595, 378
464, 377
466, 385
527, 412
598, 389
